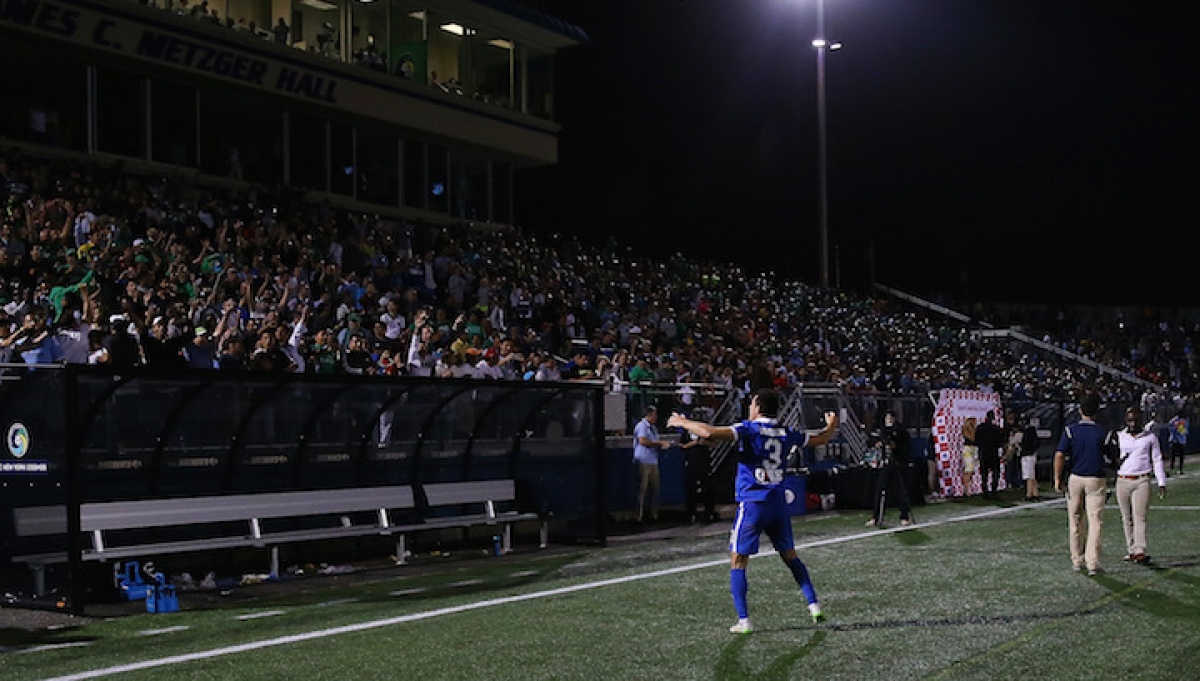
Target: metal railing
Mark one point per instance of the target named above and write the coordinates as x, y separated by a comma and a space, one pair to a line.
729, 411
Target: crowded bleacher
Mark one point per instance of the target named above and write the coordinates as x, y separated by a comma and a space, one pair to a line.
102, 266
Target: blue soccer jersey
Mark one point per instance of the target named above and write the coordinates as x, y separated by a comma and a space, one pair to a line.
763, 447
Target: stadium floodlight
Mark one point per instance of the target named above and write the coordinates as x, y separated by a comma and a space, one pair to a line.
822, 45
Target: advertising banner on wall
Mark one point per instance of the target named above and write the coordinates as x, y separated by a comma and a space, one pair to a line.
958, 411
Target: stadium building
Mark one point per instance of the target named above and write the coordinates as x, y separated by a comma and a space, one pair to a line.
421, 109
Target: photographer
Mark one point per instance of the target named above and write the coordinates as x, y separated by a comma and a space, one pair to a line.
893, 471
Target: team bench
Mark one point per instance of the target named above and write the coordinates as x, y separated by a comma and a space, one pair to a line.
262, 520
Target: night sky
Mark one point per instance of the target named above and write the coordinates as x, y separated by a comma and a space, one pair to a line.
993, 150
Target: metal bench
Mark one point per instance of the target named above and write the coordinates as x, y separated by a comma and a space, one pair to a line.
100, 520
104, 522
478, 503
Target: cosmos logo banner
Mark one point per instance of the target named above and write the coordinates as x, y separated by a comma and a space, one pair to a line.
19, 445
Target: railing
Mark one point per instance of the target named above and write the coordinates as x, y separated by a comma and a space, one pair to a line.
729, 411
1067, 354
988, 331
13, 371
850, 430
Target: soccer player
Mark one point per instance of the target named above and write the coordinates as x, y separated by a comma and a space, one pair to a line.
763, 446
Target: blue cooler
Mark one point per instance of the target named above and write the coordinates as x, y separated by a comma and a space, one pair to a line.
794, 488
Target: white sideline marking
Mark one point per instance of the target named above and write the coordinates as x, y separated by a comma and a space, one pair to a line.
441, 612
468, 582
1154, 507
408, 592
524, 573
56, 646
338, 601
168, 630
258, 615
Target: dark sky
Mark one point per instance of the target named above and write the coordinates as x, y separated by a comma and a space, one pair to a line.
1003, 150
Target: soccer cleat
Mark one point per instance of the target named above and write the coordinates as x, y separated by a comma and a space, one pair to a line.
818, 616
871, 523
1092, 572
905, 523
743, 626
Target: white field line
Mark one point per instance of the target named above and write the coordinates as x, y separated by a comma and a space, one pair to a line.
408, 592
442, 612
56, 646
168, 630
259, 615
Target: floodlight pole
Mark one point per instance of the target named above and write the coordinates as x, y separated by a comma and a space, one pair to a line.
821, 45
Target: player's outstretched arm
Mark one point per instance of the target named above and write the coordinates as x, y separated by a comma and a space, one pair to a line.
825, 435
701, 429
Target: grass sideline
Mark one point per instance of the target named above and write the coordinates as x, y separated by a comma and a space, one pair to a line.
974, 591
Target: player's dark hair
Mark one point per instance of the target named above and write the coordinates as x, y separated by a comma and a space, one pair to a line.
768, 401
1090, 405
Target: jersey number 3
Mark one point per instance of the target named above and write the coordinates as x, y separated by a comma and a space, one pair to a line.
771, 473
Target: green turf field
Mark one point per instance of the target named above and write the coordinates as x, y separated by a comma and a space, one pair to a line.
974, 591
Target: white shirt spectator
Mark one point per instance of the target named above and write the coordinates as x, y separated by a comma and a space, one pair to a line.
394, 324
486, 369
83, 227
335, 253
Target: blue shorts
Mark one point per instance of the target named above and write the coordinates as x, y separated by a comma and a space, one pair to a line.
756, 517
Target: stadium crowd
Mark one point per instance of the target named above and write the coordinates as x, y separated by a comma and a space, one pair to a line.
100, 266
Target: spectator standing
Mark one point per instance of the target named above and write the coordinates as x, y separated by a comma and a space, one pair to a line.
268, 356
1140, 455
421, 360
97, 354
1012, 448
1178, 440
325, 354
201, 353
699, 484
639, 374
1029, 448
233, 357
893, 471
970, 454
989, 438
646, 445
1086, 487
162, 351
281, 31
34, 341
358, 360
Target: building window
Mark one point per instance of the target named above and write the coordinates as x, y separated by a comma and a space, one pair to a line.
241, 137
120, 113
307, 136
378, 174
173, 123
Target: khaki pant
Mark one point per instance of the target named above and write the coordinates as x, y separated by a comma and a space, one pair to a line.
1133, 496
648, 485
1085, 494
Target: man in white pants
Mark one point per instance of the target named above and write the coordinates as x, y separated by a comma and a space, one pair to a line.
1140, 454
